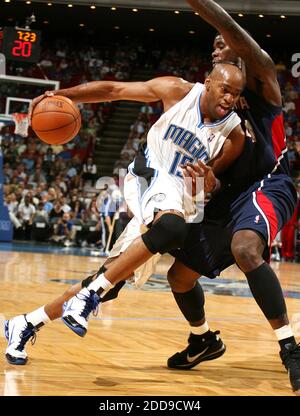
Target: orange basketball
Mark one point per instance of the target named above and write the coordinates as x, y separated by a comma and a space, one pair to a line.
56, 120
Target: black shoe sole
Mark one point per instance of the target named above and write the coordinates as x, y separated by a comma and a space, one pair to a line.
74, 326
188, 366
296, 386
15, 360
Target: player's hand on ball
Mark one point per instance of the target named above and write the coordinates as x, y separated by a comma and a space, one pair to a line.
55, 119
35, 101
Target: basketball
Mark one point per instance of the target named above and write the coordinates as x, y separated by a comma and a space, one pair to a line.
56, 120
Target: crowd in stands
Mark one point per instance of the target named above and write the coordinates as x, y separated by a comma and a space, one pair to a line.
54, 197
288, 241
55, 186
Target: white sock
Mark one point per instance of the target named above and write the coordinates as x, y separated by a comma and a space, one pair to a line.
284, 332
100, 282
199, 330
38, 316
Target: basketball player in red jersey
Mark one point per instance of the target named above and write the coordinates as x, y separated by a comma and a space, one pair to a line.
257, 197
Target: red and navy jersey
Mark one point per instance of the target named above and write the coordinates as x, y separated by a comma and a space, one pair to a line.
265, 149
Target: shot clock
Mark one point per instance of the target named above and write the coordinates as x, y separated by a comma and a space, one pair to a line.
21, 44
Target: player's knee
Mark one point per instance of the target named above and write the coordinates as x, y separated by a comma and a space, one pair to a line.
246, 254
174, 278
179, 282
168, 233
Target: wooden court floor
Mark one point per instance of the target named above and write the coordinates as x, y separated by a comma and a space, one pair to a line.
128, 343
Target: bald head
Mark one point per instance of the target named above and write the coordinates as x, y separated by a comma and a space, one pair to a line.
228, 72
223, 87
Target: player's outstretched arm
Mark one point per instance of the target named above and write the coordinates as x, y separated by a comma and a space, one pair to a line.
261, 71
168, 89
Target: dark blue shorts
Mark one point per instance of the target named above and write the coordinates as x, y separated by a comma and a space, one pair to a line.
264, 208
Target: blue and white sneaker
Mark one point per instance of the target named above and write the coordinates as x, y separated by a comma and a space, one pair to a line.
77, 310
17, 332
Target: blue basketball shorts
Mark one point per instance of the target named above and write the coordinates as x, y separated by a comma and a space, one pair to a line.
263, 208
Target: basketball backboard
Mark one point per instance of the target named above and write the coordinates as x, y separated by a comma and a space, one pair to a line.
17, 93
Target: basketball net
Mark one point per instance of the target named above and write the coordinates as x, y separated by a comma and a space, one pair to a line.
21, 124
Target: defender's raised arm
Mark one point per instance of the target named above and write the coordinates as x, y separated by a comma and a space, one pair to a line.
261, 71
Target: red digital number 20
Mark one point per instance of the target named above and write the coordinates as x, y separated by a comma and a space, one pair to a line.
21, 49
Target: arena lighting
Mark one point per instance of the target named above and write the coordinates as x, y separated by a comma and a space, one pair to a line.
240, 15
261, 15
274, 8
113, 8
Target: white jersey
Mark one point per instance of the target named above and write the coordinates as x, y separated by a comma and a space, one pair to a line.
177, 137
180, 135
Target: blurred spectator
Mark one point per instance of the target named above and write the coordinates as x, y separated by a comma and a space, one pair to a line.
48, 159
26, 211
147, 110
56, 212
64, 205
12, 206
288, 129
37, 176
293, 156
89, 171
276, 248
65, 153
46, 203
288, 233
41, 212
122, 163
63, 232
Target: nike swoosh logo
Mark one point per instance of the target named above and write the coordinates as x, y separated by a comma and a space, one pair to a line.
70, 309
194, 357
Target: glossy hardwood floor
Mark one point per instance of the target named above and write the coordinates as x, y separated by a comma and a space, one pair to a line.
127, 345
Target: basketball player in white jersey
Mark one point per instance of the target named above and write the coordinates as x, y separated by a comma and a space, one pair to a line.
198, 124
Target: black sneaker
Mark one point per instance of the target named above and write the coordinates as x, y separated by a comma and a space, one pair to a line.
290, 357
200, 348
